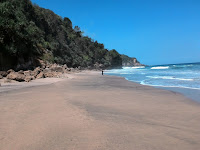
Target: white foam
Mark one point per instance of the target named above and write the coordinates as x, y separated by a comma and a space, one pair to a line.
126, 73
126, 67
138, 67
143, 83
160, 67
184, 79
188, 65
169, 77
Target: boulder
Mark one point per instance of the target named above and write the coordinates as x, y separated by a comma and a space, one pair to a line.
79, 68
42, 63
29, 78
16, 76
40, 75
10, 70
46, 70
68, 69
58, 74
3, 73
72, 69
36, 71
57, 69
27, 73
21, 72
49, 74
52, 74
65, 66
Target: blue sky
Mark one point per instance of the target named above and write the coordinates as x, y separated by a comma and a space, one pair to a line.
153, 31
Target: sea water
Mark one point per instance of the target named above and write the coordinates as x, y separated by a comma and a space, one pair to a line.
183, 78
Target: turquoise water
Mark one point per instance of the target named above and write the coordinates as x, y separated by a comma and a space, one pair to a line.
185, 76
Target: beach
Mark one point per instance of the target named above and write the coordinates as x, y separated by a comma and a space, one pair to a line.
88, 111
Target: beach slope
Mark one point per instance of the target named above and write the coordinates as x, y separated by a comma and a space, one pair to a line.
95, 112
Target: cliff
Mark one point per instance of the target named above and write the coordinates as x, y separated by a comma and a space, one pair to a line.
130, 61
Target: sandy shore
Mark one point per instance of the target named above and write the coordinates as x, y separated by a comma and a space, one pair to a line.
94, 112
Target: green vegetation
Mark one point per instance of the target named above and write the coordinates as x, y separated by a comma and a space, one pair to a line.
29, 32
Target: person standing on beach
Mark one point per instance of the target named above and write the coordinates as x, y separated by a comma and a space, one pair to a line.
102, 72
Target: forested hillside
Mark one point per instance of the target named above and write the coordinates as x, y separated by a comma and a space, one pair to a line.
29, 33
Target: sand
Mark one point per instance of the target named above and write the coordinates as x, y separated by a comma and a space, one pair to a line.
94, 112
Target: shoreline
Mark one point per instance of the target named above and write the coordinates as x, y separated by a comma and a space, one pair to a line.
191, 93
169, 89
92, 111
7, 87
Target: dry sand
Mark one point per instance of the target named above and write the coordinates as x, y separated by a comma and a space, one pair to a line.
94, 112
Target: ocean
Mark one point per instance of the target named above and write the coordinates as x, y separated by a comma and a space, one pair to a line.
182, 78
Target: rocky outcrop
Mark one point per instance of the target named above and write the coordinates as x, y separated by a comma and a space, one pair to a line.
36, 71
16, 76
40, 75
3, 73
130, 61
98, 66
29, 78
45, 71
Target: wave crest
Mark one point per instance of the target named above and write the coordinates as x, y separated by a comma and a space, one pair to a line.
138, 67
169, 77
160, 67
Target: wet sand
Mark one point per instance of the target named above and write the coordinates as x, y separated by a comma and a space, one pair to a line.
95, 112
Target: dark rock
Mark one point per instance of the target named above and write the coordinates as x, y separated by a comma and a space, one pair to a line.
29, 78
3, 73
21, 72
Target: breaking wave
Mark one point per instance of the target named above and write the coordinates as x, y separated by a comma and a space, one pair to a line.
169, 77
160, 67
138, 67
175, 75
